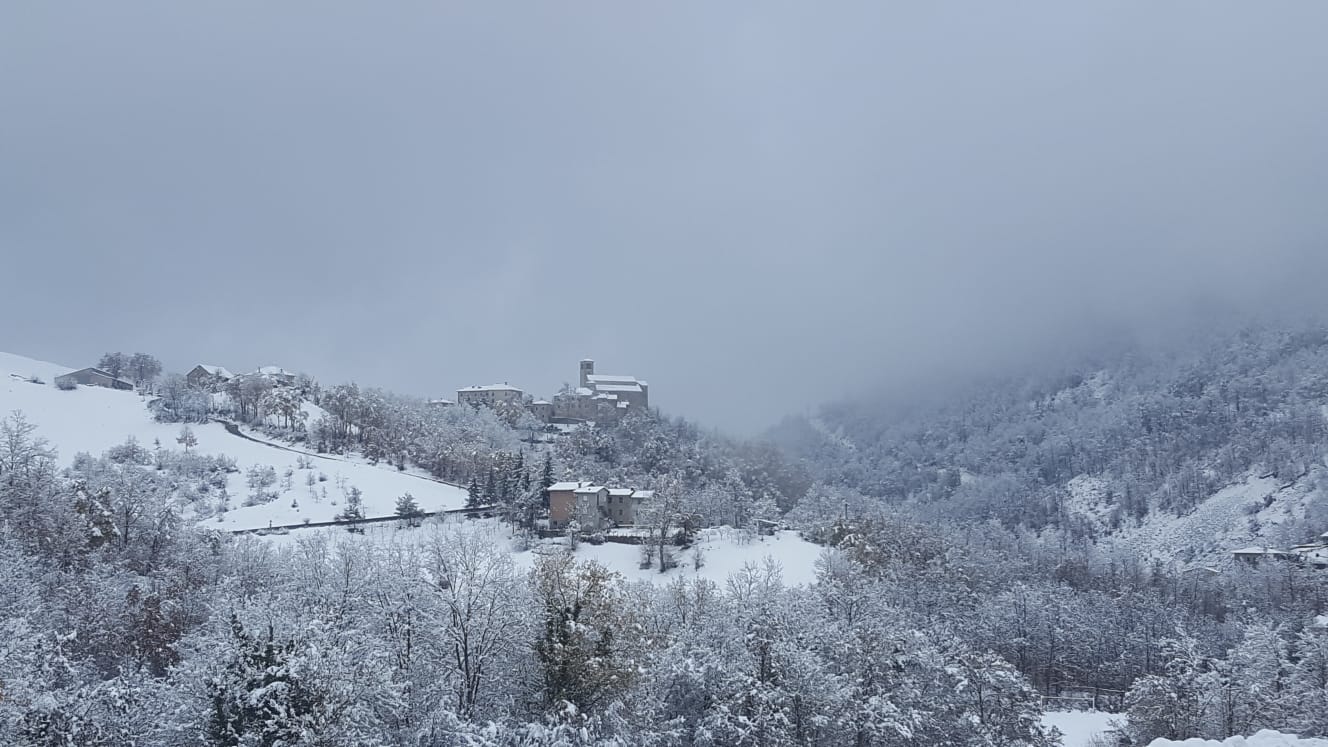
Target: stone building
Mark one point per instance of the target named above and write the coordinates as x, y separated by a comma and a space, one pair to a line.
490, 395
541, 410
204, 376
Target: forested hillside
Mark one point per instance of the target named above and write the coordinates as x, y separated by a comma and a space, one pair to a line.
1158, 428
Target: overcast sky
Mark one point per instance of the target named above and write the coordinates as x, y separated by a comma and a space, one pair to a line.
756, 207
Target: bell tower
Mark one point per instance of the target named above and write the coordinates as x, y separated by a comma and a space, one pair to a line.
587, 370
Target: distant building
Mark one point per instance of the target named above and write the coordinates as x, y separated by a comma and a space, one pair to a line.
1254, 555
441, 403
204, 376
541, 410
629, 389
91, 377
601, 397
490, 395
277, 375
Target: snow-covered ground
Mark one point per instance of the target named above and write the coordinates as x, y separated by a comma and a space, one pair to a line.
724, 551
1260, 739
93, 419
1080, 728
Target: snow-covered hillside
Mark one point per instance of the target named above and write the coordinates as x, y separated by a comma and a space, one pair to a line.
310, 487
1254, 511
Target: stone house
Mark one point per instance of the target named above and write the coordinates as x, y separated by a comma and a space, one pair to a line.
204, 376
541, 410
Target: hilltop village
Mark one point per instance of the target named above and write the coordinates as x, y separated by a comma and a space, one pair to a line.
600, 398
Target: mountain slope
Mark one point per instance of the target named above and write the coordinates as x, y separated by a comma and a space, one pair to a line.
1185, 449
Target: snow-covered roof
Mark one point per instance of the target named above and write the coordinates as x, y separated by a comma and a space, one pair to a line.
620, 491
1259, 551
618, 387
96, 370
589, 489
584, 392
567, 485
219, 371
441, 402
610, 379
490, 388
644, 494
541, 402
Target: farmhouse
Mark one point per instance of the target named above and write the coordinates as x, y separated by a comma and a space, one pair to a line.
277, 375
1254, 555
1313, 554
204, 376
91, 377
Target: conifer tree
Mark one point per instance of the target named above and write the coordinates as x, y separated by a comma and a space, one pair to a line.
409, 509
473, 497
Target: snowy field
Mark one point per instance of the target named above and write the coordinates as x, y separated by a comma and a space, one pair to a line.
93, 419
1080, 728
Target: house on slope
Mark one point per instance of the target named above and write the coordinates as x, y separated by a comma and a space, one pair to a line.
204, 376
1253, 556
91, 377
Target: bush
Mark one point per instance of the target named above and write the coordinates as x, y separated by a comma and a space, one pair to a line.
67, 385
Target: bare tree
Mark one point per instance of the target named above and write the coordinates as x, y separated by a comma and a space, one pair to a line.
143, 368
478, 589
114, 363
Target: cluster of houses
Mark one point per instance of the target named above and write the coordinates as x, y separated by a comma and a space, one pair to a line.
202, 376
593, 507
1313, 554
601, 398
212, 378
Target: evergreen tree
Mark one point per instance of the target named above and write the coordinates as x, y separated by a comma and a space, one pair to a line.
474, 499
353, 513
258, 699
409, 510
491, 488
